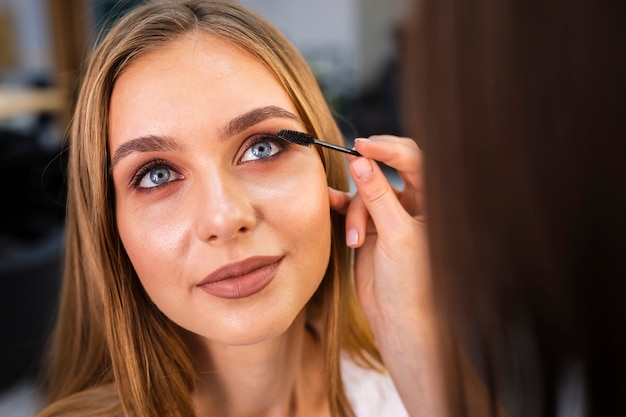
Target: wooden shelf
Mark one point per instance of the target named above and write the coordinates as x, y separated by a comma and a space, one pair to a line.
16, 102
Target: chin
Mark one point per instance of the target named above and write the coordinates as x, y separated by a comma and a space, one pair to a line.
252, 332
250, 339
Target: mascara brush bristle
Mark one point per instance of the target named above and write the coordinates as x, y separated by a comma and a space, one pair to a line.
306, 139
299, 138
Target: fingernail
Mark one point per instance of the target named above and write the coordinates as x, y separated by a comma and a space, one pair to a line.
352, 237
362, 168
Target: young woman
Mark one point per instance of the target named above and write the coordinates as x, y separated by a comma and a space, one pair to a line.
208, 267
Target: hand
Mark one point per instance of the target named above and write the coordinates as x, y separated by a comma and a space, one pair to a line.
394, 284
388, 229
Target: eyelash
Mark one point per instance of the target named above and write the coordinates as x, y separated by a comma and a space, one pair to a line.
266, 137
160, 163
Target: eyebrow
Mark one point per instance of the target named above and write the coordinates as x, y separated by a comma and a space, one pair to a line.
150, 143
252, 117
154, 143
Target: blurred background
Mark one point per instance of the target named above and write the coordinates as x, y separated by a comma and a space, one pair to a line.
353, 46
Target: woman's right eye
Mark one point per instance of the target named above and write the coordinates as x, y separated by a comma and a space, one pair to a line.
154, 175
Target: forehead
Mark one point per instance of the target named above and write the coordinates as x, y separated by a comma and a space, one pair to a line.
201, 59
197, 76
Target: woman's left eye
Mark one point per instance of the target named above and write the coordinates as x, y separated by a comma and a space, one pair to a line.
262, 148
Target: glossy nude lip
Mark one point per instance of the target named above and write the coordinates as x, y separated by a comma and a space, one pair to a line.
241, 279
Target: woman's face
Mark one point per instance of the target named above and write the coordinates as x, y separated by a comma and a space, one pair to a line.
227, 227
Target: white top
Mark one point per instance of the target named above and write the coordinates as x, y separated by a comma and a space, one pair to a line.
371, 393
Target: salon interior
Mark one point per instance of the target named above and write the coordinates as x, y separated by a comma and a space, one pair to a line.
353, 46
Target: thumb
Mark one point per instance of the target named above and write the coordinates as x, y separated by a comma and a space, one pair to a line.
377, 195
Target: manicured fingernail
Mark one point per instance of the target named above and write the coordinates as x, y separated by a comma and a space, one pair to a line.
362, 168
352, 237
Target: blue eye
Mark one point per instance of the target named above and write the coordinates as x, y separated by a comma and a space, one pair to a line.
261, 149
155, 174
155, 177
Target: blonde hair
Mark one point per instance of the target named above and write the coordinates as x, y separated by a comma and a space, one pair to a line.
109, 336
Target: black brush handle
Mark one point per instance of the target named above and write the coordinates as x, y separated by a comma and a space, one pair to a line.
336, 147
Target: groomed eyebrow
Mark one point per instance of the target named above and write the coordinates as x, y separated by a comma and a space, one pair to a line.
151, 143
154, 143
252, 117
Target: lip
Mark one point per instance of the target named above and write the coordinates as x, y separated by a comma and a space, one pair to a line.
241, 279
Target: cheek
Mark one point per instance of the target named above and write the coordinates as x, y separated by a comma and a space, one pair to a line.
153, 239
297, 206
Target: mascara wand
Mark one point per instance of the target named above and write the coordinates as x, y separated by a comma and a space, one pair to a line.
306, 139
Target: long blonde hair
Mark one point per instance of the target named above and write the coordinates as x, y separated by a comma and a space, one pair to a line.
108, 333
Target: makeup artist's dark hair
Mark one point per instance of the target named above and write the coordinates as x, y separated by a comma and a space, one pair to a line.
113, 351
521, 108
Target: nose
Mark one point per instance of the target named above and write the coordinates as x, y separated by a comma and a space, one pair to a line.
225, 210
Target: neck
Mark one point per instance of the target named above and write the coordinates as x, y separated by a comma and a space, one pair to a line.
277, 377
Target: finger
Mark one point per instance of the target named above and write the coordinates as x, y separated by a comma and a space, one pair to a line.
356, 222
402, 154
339, 200
377, 196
